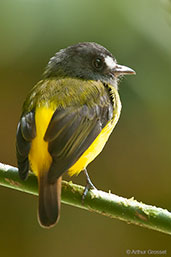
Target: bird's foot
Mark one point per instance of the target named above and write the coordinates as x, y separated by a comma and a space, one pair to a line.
89, 185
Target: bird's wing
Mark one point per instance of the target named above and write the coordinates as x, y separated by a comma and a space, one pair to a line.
26, 131
72, 130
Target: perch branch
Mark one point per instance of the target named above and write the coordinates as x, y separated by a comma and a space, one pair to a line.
107, 204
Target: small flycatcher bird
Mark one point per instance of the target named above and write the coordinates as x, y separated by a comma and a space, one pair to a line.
67, 119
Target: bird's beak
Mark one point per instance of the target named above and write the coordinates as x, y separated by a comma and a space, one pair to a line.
122, 70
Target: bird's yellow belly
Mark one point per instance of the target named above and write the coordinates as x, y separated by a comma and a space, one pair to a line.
95, 148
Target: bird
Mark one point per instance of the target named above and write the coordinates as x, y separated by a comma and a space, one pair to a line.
66, 120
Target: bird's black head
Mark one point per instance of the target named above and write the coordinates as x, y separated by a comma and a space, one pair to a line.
89, 61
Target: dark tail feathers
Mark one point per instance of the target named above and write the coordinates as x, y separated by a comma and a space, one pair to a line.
49, 201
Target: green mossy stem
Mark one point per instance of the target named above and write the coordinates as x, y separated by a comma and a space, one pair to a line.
108, 204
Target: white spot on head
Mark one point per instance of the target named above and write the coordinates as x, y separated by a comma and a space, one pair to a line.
110, 62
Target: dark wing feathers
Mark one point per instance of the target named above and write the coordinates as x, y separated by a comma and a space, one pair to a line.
28, 127
26, 131
71, 131
60, 119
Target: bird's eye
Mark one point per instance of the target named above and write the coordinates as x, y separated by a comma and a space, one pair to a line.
98, 63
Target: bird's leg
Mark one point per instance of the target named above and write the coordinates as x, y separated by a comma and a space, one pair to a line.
88, 186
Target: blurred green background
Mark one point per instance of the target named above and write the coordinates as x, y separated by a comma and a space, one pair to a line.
136, 160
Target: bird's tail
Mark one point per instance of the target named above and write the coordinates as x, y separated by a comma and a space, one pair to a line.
49, 201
